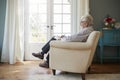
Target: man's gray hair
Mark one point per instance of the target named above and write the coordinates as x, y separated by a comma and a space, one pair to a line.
87, 18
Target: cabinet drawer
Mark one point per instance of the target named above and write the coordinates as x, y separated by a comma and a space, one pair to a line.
110, 37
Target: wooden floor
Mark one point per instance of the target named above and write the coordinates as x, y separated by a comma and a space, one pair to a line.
29, 68
105, 68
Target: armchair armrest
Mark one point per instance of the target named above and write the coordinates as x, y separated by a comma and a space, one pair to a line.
70, 45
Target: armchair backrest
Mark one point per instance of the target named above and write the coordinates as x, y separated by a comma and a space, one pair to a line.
92, 41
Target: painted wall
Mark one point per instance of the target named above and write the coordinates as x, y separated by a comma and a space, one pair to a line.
2, 21
99, 9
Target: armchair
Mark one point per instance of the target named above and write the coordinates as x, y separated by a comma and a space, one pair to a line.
73, 57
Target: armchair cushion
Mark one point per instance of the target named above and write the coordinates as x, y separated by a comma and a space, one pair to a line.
70, 45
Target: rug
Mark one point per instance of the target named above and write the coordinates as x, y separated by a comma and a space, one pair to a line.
77, 77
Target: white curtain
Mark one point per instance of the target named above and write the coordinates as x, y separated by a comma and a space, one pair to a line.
13, 43
79, 8
82, 9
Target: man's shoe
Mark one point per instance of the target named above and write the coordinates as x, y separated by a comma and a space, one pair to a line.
38, 55
44, 64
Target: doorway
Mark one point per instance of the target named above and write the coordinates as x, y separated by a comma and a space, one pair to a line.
44, 19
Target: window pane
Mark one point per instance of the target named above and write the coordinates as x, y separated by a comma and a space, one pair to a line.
58, 34
37, 1
33, 2
57, 1
66, 1
37, 33
33, 9
42, 1
43, 18
57, 28
66, 9
42, 9
66, 28
57, 18
57, 8
66, 18
37, 21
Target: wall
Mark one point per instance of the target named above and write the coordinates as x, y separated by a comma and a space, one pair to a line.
2, 21
99, 9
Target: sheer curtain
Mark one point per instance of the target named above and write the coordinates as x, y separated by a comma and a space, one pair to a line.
13, 43
82, 9
79, 8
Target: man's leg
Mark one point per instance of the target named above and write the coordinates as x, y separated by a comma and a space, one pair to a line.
45, 64
45, 49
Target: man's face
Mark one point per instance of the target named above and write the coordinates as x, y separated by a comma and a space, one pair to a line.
84, 24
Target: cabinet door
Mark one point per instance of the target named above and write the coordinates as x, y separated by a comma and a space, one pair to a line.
117, 37
108, 37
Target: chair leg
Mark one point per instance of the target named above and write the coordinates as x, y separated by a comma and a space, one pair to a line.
83, 76
54, 71
89, 69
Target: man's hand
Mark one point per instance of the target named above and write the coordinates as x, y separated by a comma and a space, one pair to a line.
62, 36
59, 37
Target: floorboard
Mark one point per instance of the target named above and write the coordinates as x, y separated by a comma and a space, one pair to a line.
30, 68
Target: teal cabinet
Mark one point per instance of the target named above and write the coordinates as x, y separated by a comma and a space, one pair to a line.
109, 37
